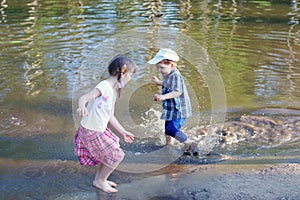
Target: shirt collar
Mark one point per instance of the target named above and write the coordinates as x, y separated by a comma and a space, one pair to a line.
175, 69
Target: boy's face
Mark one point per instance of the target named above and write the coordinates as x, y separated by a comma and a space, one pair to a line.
165, 67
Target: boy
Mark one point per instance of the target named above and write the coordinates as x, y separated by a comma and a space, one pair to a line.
175, 99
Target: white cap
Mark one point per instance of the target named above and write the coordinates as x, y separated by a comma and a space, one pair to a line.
164, 54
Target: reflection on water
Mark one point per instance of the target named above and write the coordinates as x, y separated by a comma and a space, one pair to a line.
255, 45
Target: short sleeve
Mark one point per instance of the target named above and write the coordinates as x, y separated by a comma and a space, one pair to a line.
101, 87
176, 82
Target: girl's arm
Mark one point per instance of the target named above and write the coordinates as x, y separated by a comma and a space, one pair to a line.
81, 110
127, 136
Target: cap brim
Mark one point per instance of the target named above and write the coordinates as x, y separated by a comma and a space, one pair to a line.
155, 60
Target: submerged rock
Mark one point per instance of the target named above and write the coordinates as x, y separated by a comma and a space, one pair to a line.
260, 130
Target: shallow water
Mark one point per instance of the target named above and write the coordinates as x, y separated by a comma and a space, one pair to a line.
50, 54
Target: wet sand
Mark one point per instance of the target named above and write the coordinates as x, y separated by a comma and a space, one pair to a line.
279, 181
226, 180
252, 178
31, 174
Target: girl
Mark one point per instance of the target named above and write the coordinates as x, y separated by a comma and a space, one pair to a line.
94, 142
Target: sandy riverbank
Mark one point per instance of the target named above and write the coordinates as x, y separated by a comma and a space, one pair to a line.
214, 181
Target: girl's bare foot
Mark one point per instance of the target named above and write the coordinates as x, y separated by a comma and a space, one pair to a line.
104, 186
112, 184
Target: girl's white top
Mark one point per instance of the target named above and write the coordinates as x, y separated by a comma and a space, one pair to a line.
99, 109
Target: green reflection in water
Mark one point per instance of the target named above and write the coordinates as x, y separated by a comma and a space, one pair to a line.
255, 45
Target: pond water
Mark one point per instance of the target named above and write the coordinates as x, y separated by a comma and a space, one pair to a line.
240, 60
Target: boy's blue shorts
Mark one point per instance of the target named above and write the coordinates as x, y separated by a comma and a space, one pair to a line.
172, 128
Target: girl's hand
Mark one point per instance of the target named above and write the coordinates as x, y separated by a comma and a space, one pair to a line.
82, 111
128, 137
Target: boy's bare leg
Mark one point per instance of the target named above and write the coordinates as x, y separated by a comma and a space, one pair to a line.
187, 144
101, 181
169, 140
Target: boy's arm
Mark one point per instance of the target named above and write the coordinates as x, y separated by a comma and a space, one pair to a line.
156, 80
176, 83
171, 95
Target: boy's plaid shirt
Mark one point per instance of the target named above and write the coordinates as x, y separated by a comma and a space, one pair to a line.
179, 107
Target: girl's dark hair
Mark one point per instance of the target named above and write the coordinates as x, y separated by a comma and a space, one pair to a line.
116, 64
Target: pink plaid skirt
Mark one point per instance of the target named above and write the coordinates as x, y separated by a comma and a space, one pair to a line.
93, 147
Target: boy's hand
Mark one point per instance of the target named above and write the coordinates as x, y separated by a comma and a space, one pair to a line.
171, 95
158, 97
155, 79
128, 137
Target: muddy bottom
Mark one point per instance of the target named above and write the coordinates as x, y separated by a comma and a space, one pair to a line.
236, 178
218, 181
253, 156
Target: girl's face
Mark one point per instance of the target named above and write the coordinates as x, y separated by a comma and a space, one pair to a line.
126, 77
165, 67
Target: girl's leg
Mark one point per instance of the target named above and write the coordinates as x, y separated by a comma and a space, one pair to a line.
101, 181
103, 173
111, 183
